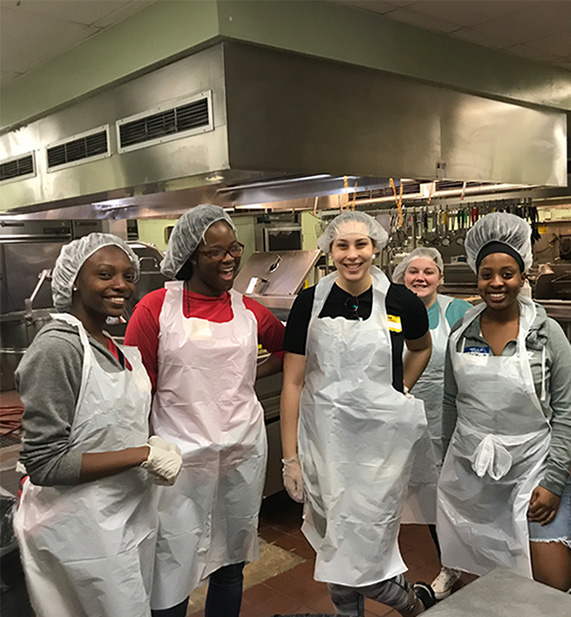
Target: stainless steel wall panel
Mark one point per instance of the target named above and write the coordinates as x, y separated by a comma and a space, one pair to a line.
493, 141
131, 173
280, 114
292, 113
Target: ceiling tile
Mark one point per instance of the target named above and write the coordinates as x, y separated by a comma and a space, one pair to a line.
486, 39
528, 51
376, 6
122, 13
558, 44
534, 21
28, 41
422, 21
465, 13
79, 11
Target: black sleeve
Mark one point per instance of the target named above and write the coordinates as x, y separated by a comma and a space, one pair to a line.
295, 337
403, 302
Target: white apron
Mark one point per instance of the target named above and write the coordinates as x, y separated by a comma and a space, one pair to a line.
420, 504
495, 459
88, 549
206, 404
356, 437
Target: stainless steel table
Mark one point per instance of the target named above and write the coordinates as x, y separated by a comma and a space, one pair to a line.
502, 593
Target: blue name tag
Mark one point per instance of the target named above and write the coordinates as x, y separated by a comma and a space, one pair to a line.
477, 351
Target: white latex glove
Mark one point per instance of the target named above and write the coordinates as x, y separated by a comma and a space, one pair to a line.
407, 393
292, 478
159, 442
164, 461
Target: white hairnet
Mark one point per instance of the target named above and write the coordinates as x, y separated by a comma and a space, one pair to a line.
187, 234
73, 255
353, 222
428, 252
508, 229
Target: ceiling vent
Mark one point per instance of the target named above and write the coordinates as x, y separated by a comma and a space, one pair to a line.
17, 168
159, 125
79, 149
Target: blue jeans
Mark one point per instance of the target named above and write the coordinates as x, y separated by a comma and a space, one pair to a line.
224, 595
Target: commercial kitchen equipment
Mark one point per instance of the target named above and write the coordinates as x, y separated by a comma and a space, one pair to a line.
25, 261
171, 138
274, 279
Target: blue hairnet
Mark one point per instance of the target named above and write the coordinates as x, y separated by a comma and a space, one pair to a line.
73, 255
187, 234
353, 222
428, 252
499, 227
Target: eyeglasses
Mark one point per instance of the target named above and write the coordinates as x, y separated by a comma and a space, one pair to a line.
352, 305
218, 254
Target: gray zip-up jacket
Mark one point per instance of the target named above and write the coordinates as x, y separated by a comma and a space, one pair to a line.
48, 380
554, 375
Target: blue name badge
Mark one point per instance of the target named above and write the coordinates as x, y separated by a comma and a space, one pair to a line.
477, 351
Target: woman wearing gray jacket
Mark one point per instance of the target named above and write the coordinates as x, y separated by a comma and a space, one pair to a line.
504, 489
87, 520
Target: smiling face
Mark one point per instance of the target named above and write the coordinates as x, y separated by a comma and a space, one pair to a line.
353, 254
499, 281
104, 284
422, 276
212, 276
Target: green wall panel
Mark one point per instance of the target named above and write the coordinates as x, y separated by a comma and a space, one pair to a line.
170, 29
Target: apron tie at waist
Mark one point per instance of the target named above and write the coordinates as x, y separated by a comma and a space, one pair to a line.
490, 457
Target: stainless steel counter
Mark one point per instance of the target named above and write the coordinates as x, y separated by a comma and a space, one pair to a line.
501, 593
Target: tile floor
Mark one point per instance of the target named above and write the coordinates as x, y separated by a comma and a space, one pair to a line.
295, 591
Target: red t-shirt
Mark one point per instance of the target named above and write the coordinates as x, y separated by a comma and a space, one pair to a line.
143, 327
115, 351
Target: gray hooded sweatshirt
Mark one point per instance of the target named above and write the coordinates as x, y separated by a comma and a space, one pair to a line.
544, 332
48, 380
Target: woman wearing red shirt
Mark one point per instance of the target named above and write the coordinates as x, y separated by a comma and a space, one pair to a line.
199, 342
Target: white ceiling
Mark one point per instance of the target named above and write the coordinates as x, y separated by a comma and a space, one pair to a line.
32, 32
537, 30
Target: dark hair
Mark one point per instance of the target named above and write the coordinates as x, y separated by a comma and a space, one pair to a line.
499, 247
185, 271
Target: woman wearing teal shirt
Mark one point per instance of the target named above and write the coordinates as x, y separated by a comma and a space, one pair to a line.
422, 272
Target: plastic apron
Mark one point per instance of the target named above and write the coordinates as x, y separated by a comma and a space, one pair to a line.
88, 549
420, 504
495, 459
356, 438
206, 404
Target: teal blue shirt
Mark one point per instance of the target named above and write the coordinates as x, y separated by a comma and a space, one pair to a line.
454, 312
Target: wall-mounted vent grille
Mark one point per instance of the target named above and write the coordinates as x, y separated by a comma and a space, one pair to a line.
191, 117
79, 148
17, 168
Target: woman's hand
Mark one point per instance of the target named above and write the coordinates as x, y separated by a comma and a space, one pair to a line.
543, 506
164, 461
293, 480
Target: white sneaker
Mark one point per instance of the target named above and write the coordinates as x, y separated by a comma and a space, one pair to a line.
443, 583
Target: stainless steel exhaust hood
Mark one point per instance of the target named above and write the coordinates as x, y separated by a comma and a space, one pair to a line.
235, 114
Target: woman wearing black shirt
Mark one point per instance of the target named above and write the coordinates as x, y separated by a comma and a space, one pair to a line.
344, 413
